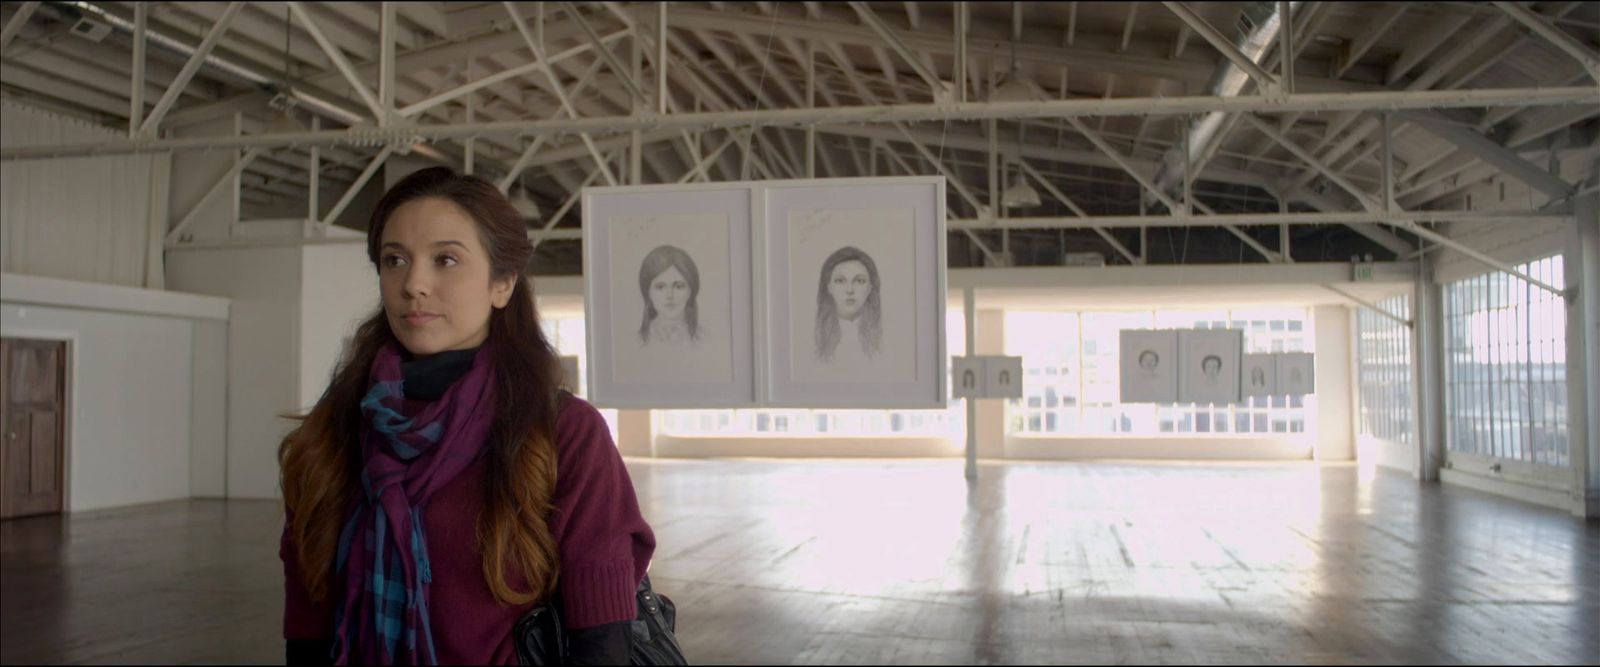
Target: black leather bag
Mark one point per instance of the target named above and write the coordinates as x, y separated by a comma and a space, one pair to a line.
541, 638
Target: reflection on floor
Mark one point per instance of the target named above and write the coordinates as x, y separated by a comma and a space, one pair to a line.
897, 562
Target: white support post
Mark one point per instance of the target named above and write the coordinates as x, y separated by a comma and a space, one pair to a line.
811, 103
1582, 266
469, 159
969, 310
141, 19
960, 83
190, 67
661, 58
1286, 45
380, 113
1387, 166
223, 184
386, 73
1427, 374
314, 170
350, 194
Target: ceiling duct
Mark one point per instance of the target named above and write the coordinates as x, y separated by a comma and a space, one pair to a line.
1258, 28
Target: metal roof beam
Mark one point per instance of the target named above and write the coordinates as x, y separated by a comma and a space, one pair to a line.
1541, 25
1481, 147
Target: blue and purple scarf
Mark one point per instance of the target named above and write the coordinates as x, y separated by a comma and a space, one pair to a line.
411, 449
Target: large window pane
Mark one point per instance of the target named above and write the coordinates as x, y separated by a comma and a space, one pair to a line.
1071, 359
1505, 354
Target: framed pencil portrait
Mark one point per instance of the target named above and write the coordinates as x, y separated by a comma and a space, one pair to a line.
668, 295
853, 313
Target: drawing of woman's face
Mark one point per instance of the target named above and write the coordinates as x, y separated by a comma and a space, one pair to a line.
850, 286
1211, 366
1148, 360
669, 293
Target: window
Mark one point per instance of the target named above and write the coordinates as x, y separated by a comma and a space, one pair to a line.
1072, 388
1505, 364
1384, 371
566, 334
950, 422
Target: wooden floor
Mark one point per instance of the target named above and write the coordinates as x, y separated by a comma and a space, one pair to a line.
896, 562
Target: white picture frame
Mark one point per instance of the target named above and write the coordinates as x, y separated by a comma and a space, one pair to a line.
1258, 376
698, 348
967, 377
1296, 373
1208, 371
885, 232
1148, 363
1002, 377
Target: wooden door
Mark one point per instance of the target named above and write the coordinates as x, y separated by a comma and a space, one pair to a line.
32, 414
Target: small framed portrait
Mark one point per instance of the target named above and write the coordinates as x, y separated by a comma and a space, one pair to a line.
1296, 373
1149, 365
855, 292
966, 377
668, 295
1209, 370
1004, 377
1258, 376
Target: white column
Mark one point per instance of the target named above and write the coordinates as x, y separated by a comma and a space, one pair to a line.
1582, 262
1427, 370
1334, 439
636, 435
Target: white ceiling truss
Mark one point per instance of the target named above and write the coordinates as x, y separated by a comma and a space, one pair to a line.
1385, 117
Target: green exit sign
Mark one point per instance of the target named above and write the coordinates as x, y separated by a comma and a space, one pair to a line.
1362, 273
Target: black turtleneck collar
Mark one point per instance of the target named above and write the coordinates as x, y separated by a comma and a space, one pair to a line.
429, 378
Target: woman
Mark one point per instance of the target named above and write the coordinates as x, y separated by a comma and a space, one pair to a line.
848, 307
443, 484
670, 285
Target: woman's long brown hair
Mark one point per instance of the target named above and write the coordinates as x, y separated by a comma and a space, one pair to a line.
320, 461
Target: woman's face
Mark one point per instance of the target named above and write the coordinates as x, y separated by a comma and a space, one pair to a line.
1149, 361
669, 293
850, 286
1211, 367
433, 272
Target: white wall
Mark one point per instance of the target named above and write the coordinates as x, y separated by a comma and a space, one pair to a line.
338, 289
138, 360
263, 351
1335, 437
93, 219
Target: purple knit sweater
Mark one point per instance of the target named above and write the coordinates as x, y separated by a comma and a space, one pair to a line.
604, 542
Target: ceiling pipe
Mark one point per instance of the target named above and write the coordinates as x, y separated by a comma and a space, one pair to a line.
327, 108
1228, 81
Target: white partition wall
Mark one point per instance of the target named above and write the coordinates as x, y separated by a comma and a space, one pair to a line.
145, 380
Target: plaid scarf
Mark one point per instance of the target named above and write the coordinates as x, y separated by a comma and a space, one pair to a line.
411, 449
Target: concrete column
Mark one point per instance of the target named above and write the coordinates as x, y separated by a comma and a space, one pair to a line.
636, 433
1335, 441
991, 411
1582, 262
1427, 370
